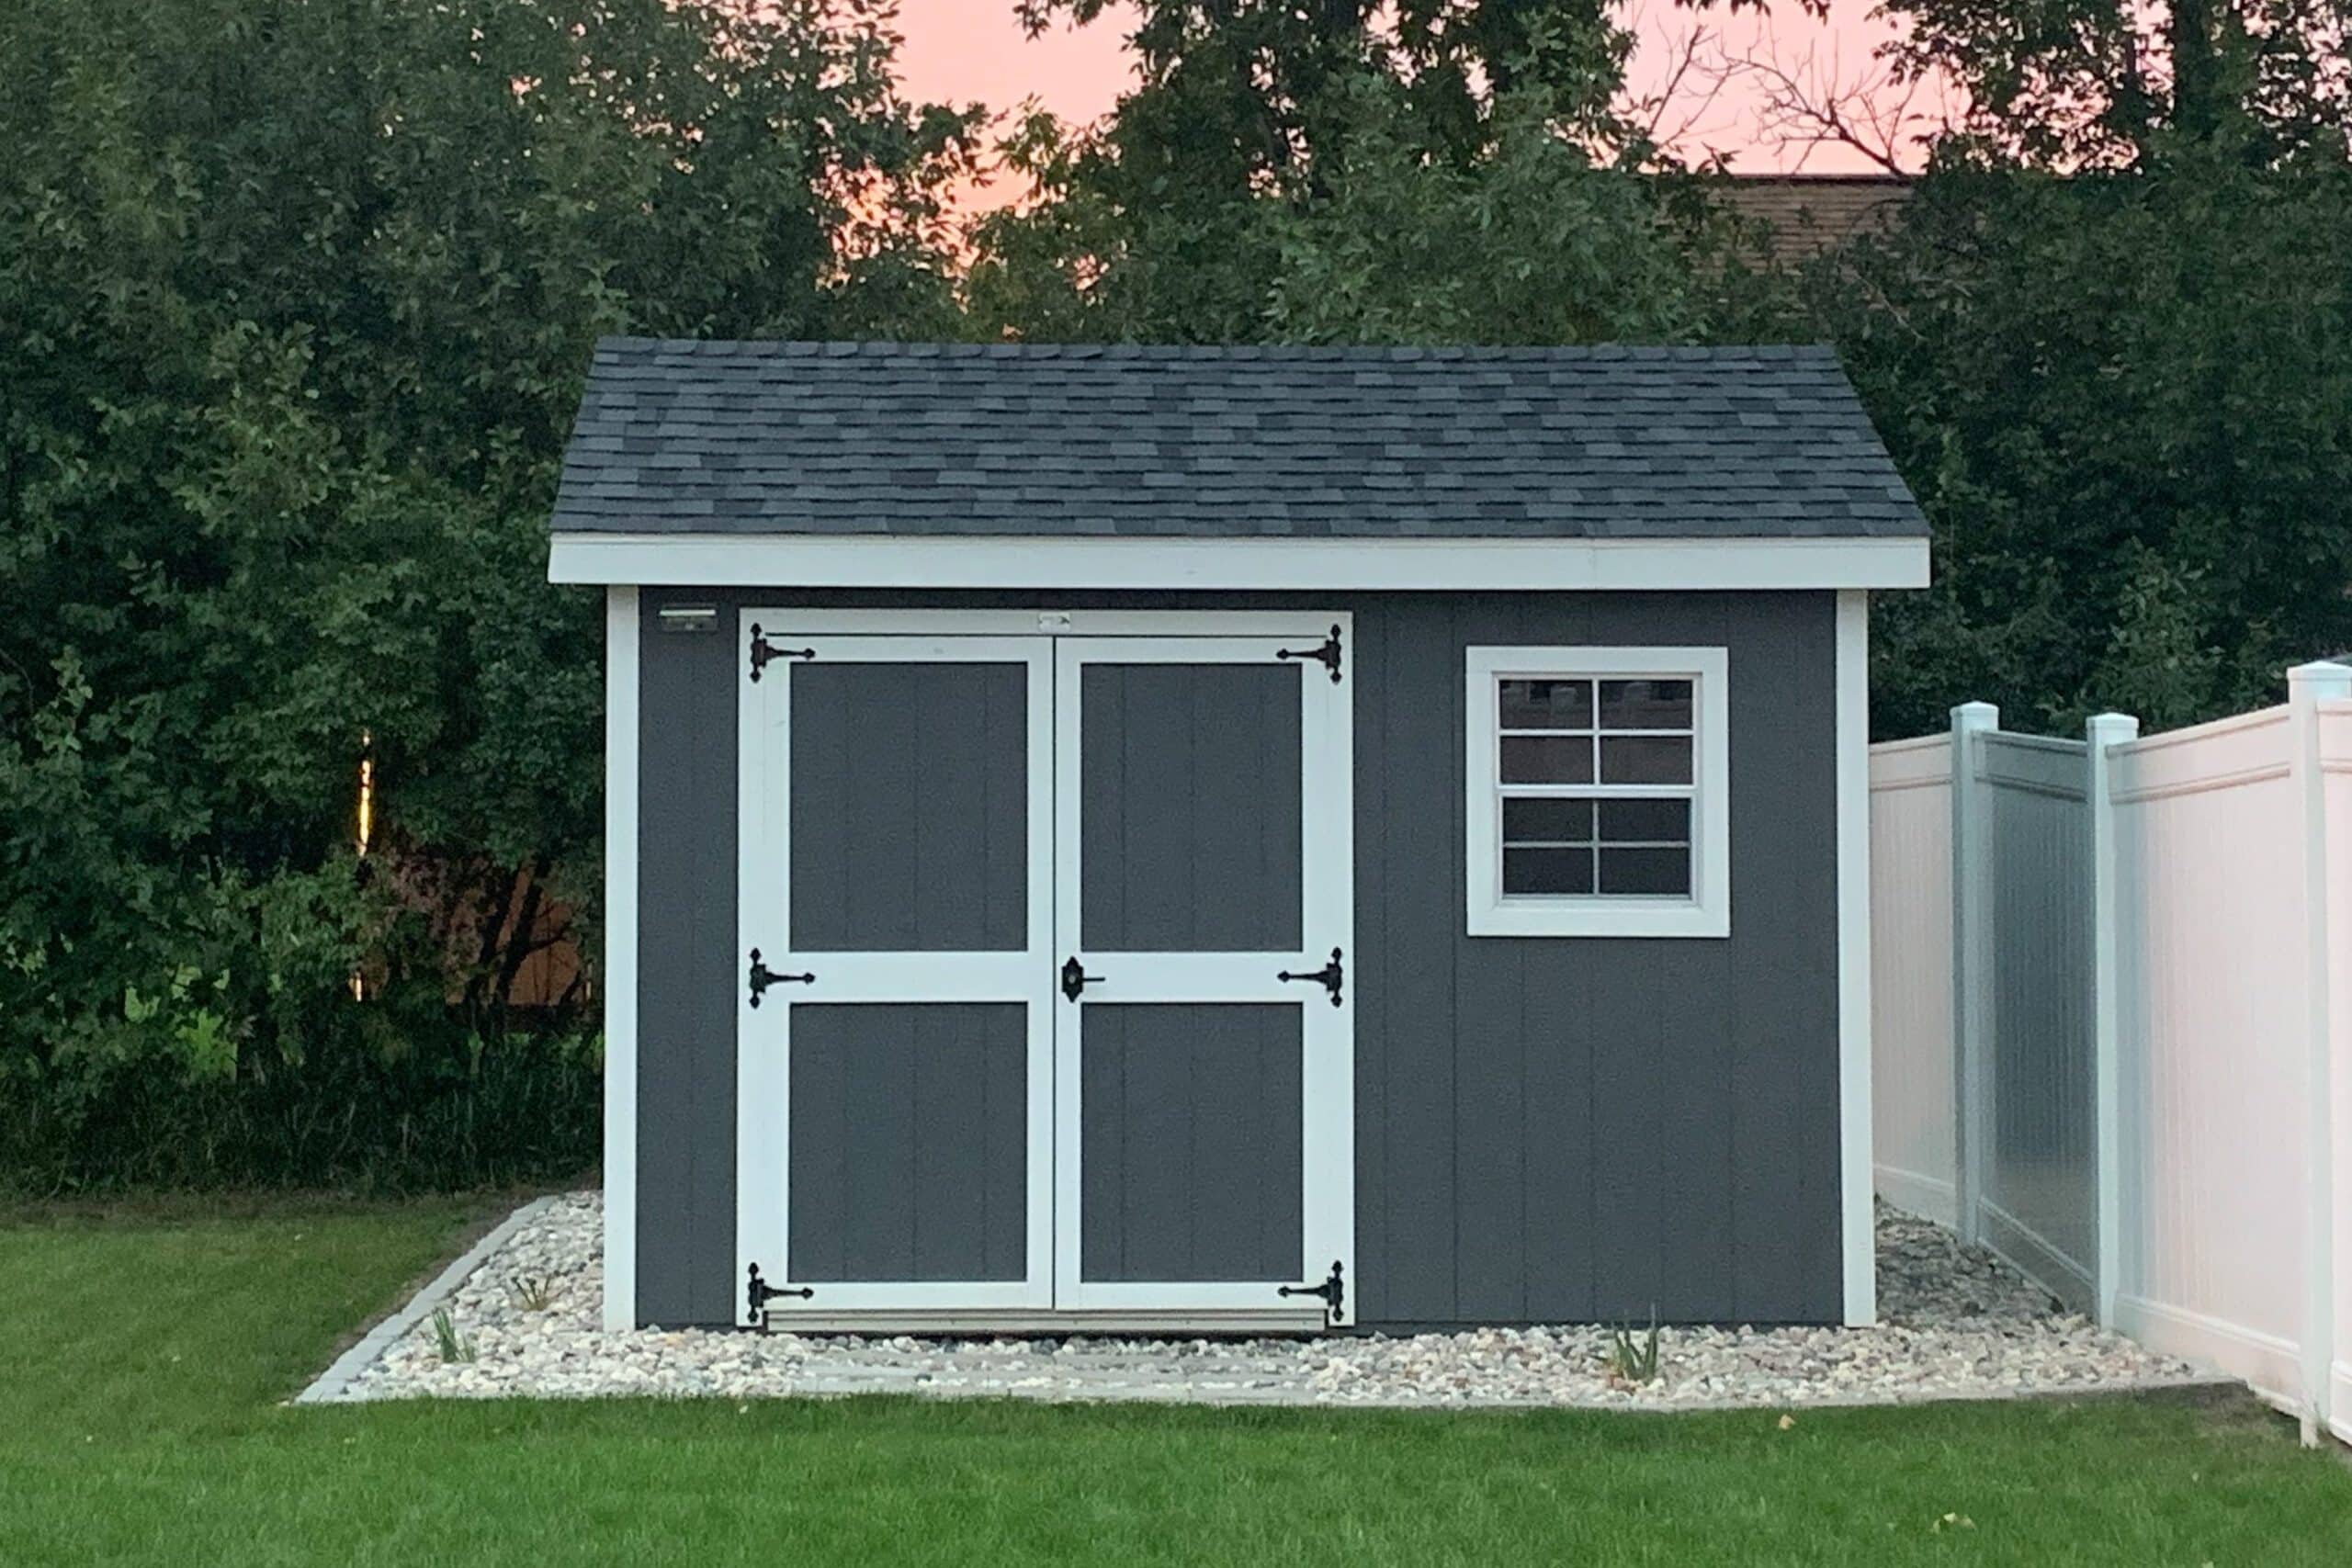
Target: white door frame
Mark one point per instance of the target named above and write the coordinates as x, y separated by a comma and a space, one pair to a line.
763, 1033
1327, 1034
1033, 637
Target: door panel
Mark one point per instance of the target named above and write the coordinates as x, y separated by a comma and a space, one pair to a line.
1189, 807
1193, 1168
1204, 1123
908, 1149
910, 807
894, 1088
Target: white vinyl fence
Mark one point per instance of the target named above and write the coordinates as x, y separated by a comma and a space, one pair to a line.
2113, 1021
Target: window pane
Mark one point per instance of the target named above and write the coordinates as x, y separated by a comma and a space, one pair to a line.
1646, 704
1547, 871
1642, 759
1544, 758
1645, 871
1644, 821
1545, 705
1547, 821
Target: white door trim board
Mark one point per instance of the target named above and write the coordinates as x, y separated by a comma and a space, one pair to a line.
1856, 1156
792, 622
763, 1054
1291, 564
620, 957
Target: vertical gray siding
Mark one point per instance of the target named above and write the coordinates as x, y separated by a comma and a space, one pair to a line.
1190, 1158
909, 1142
1546, 1128
687, 969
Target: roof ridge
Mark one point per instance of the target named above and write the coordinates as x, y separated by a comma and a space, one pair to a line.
1206, 353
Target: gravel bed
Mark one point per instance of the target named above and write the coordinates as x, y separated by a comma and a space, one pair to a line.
1959, 1324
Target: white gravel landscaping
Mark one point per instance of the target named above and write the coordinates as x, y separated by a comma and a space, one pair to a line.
1958, 1324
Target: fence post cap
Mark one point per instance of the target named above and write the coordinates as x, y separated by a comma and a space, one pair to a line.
1976, 716
2110, 728
2322, 677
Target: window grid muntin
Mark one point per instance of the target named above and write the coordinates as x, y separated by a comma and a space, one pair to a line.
1595, 730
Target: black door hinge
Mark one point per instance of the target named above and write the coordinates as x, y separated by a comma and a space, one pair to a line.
1075, 979
758, 1293
1328, 655
762, 651
762, 978
1330, 977
1334, 1291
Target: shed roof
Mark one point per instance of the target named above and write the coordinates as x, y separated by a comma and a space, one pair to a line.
705, 439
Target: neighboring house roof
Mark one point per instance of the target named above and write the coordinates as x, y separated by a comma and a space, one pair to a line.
1813, 213
692, 438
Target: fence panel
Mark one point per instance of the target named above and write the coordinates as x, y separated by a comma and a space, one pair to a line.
2038, 1190
2215, 1054
1911, 970
2336, 775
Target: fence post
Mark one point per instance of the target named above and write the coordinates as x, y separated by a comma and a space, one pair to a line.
1971, 990
2306, 686
2108, 981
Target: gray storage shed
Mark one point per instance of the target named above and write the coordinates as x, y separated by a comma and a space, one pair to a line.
1204, 838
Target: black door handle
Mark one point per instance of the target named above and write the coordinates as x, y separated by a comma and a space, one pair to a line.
1330, 977
1075, 979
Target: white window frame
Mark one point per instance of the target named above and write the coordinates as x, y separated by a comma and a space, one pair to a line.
1706, 912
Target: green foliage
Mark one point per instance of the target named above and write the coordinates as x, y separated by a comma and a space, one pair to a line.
1533, 219
2125, 402
294, 301
1631, 1357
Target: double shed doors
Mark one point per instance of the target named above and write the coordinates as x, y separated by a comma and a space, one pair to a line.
1046, 1016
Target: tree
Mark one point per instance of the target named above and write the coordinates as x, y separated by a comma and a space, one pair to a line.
295, 299
2080, 85
1363, 174
2125, 402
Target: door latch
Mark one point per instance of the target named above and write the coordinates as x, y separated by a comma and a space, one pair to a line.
1075, 979
758, 1293
762, 978
1328, 655
1330, 977
1333, 1291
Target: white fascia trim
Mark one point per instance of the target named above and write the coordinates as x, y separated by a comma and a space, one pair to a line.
1855, 1152
892, 561
620, 957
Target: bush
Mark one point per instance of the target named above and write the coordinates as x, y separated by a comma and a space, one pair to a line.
294, 304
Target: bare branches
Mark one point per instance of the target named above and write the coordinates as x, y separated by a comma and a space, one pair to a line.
1700, 87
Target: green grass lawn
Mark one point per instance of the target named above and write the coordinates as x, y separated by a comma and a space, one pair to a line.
148, 1351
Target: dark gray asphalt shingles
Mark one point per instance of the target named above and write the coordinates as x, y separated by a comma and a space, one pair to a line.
1004, 439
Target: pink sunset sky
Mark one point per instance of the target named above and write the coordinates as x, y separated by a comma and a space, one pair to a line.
1705, 80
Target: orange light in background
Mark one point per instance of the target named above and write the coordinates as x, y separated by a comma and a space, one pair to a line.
367, 790
367, 827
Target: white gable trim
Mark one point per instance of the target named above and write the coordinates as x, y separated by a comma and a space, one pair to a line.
898, 561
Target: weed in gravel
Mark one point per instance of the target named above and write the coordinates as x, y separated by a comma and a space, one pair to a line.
453, 1346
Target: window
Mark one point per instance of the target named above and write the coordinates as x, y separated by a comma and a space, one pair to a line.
1599, 792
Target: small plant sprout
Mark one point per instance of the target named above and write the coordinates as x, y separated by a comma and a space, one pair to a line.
454, 1348
1632, 1362
534, 1293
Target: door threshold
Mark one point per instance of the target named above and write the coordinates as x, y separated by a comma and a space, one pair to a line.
1033, 1321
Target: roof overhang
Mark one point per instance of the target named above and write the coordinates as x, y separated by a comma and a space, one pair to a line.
903, 560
